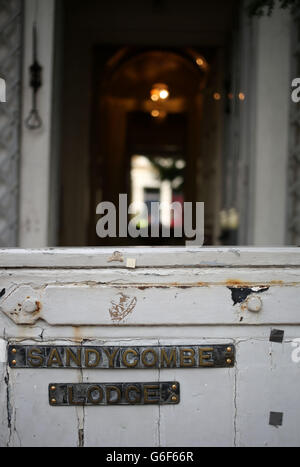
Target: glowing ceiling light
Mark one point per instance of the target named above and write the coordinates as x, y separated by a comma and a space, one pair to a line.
159, 114
242, 96
164, 94
159, 91
217, 96
154, 97
155, 113
200, 62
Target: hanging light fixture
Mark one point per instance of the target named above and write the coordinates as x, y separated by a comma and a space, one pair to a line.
34, 121
159, 91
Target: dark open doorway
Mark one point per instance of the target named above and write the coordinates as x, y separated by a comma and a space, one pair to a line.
131, 120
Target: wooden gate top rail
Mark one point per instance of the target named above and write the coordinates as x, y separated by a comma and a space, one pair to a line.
149, 257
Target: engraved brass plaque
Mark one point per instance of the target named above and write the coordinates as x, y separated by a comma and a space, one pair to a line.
93, 394
135, 357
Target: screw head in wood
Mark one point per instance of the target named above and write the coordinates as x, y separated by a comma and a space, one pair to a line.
30, 305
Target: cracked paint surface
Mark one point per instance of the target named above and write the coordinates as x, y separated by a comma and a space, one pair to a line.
176, 306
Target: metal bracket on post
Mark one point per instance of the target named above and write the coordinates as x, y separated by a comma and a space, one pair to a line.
34, 121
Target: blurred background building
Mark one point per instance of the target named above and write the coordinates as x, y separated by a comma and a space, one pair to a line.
165, 100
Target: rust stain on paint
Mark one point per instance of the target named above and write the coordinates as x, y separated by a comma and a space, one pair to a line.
122, 308
236, 283
77, 334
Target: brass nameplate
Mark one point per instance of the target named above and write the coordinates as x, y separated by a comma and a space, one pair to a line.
155, 393
135, 357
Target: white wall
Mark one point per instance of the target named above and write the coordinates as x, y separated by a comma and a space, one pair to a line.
268, 192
